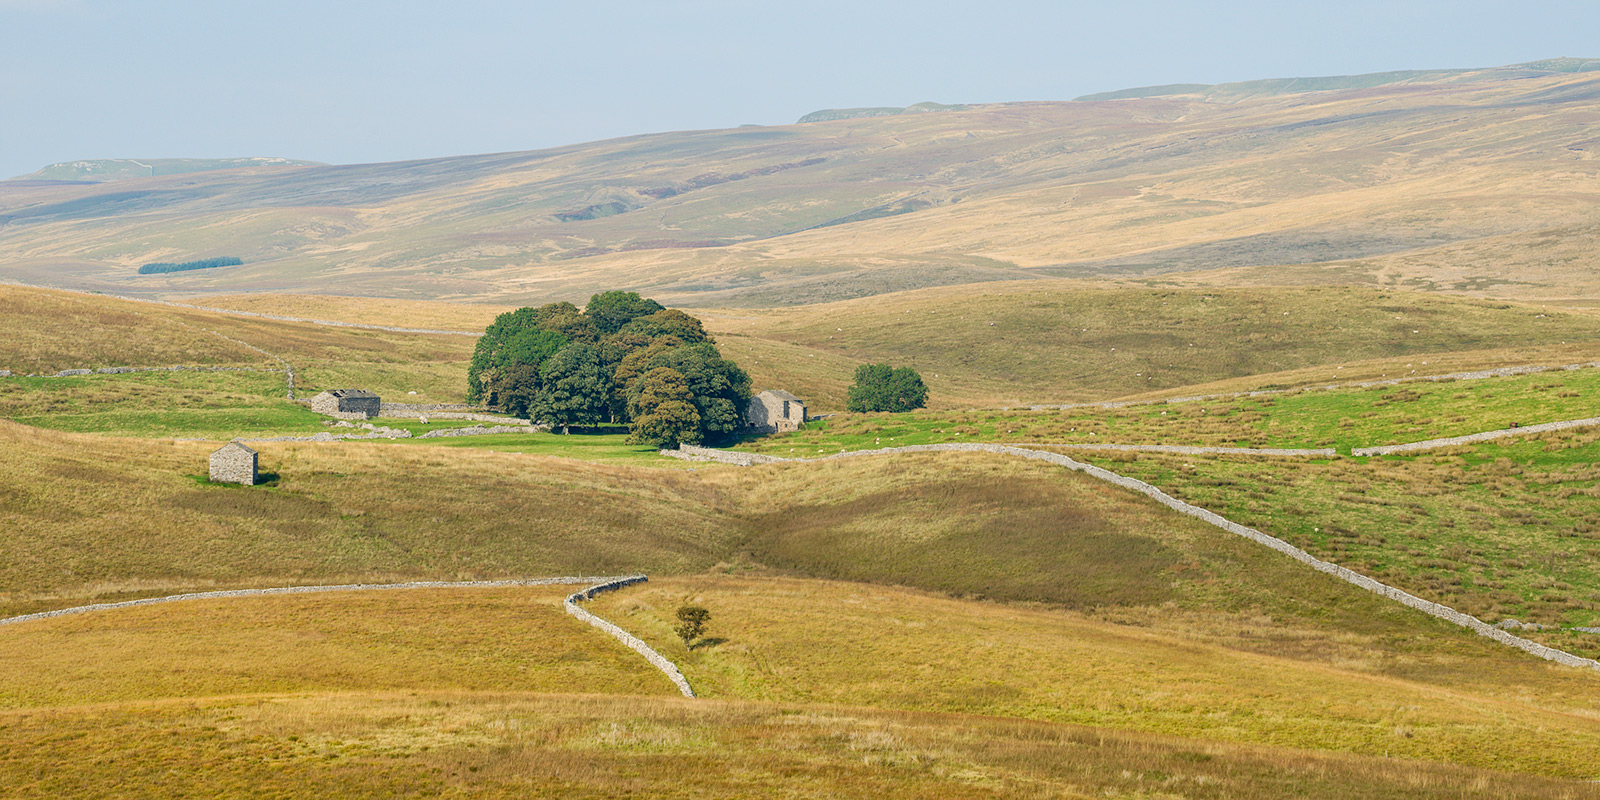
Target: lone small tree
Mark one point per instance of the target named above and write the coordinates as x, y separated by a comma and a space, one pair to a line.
879, 387
691, 623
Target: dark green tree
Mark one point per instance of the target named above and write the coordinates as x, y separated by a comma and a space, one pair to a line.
721, 389
573, 388
631, 367
663, 410
879, 387
611, 310
567, 320
692, 621
670, 322
513, 389
515, 337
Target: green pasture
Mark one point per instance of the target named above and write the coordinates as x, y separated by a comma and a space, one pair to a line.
1338, 418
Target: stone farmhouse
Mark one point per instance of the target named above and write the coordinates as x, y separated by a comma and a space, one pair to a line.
347, 403
234, 463
775, 411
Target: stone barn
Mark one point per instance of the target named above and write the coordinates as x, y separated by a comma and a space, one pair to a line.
775, 412
347, 403
234, 463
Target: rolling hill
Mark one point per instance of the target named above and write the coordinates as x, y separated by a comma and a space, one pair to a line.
1456, 181
100, 170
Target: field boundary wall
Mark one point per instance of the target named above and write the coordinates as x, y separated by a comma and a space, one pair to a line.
1345, 574
657, 660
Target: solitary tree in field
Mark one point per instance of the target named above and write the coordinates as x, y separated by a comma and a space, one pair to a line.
879, 387
691, 623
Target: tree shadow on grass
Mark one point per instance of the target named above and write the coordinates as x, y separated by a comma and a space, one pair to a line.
707, 642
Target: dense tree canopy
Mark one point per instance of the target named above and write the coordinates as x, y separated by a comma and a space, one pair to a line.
720, 388
663, 410
622, 359
515, 337
669, 322
879, 387
573, 388
611, 310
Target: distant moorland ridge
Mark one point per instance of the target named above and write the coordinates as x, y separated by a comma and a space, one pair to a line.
1476, 182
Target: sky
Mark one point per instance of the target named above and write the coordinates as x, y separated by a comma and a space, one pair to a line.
349, 81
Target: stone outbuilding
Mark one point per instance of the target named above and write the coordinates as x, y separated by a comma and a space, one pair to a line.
235, 463
348, 403
775, 411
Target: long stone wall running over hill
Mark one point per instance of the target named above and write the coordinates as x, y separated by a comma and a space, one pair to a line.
1429, 607
1452, 441
1498, 372
1187, 450
659, 661
596, 586
73, 373
314, 589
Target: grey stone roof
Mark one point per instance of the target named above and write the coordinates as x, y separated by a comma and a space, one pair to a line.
783, 395
245, 448
351, 393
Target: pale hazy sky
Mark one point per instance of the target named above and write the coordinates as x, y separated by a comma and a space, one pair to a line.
352, 80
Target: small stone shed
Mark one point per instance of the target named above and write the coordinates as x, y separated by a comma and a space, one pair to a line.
234, 463
347, 403
775, 411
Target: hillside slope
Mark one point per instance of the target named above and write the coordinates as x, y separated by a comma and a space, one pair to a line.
854, 207
99, 170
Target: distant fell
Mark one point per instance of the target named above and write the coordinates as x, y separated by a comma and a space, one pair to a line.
1230, 92
1479, 182
831, 114
116, 169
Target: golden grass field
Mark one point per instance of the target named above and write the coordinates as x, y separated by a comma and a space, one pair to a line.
454, 744
476, 639
940, 625
1051, 563
842, 643
1052, 341
301, 679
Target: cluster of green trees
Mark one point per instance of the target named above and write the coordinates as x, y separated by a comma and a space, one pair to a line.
622, 359
205, 263
879, 387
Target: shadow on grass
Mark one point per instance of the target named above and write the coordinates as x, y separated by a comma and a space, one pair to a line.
262, 479
708, 642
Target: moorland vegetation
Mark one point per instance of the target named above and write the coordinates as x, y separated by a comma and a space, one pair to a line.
1470, 183
918, 624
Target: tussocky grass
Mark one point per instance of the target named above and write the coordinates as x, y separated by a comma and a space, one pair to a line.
499, 745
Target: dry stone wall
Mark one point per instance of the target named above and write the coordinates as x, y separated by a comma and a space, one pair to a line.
1352, 577
656, 659
1499, 372
480, 430
73, 373
411, 409
596, 585
1434, 444
689, 452
347, 587
1324, 452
